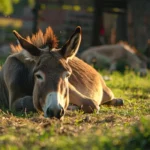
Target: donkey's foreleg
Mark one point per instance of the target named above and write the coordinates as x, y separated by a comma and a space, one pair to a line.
23, 104
113, 67
86, 104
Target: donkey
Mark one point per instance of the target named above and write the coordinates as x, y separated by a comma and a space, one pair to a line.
109, 56
146, 53
38, 76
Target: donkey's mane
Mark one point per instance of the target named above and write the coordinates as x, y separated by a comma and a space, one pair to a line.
133, 50
128, 47
40, 40
148, 41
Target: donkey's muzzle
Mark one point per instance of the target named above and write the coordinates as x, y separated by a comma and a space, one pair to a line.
57, 113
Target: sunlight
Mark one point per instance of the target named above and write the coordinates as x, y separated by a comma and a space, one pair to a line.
17, 23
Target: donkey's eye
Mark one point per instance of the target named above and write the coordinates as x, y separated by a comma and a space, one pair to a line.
39, 76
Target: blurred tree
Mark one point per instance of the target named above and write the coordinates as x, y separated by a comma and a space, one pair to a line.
6, 6
31, 3
35, 10
97, 23
122, 27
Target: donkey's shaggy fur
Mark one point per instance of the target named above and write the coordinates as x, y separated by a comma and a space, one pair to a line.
36, 67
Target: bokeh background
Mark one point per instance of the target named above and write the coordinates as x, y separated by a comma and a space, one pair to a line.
102, 21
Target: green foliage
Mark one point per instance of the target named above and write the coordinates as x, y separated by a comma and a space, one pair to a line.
6, 6
31, 3
2, 60
139, 136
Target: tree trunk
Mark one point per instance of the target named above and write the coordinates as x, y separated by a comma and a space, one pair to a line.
36, 16
122, 27
140, 22
98, 20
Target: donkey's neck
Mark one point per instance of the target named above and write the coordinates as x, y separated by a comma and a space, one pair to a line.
27, 65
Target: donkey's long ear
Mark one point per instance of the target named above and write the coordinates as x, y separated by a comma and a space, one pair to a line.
71, 47
32, 49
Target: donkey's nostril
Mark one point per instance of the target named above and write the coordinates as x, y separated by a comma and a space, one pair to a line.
50, 113
58, 113
61, 112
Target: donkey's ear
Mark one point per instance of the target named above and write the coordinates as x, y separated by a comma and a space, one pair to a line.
32, 49
71, 47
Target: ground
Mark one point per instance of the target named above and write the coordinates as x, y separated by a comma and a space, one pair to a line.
113, 128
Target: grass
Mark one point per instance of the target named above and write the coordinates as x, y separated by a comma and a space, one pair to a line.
114, 128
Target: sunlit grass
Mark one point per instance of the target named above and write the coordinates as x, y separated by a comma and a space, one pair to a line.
113, 128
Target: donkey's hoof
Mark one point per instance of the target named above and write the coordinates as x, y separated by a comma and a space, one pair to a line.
117, 102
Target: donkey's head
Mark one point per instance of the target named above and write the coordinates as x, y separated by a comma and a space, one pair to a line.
51, 73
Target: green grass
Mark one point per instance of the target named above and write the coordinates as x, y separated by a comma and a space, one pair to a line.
114, 128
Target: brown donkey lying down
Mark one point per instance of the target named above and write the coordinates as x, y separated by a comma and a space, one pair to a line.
109, 56
38, 76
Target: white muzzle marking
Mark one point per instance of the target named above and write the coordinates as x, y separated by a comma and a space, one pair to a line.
54, 100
